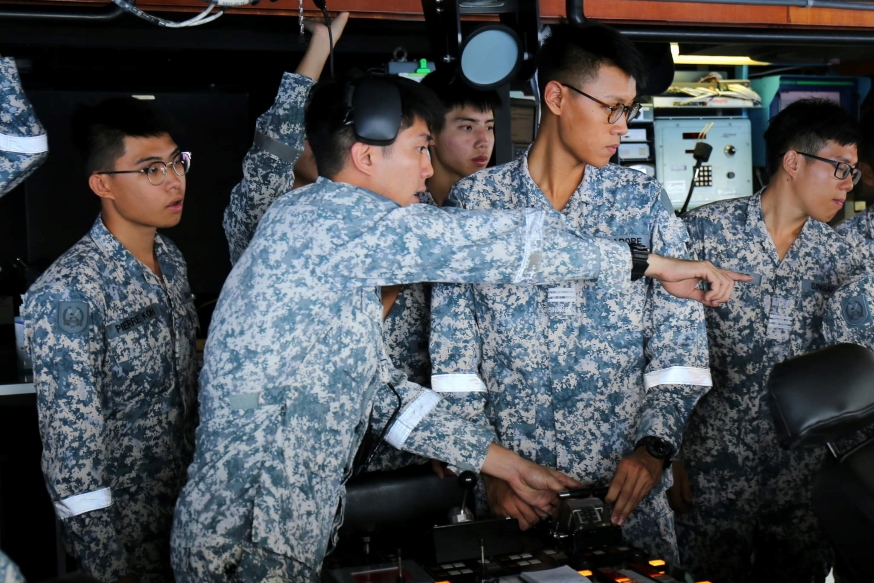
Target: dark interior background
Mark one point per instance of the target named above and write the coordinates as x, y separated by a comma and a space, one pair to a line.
215, 80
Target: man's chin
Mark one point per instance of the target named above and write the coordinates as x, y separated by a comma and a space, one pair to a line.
170, 223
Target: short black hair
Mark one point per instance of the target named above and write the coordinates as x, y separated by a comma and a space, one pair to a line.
807, 126
99, 130
574, 53
327, 110
454, 92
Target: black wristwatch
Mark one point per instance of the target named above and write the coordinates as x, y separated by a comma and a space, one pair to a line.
639, 260
657, 448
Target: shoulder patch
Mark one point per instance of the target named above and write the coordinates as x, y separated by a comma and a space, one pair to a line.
855, 310
73, 317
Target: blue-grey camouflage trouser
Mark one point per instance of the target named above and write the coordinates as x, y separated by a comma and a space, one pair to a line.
243, 563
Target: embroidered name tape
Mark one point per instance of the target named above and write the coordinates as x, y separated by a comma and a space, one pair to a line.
133, 321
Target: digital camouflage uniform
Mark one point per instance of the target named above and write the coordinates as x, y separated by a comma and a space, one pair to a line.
268, 172
296, 353
859, 233
113, 350
571, 376
749, 495
9, 573
23, 142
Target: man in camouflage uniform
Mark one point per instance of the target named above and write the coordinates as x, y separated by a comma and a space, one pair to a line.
859, 230
750, 517
280, 160
23, 142
574, 376
111, 328
296, 352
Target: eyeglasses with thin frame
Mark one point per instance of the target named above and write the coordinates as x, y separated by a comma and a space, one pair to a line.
842, 169
156, 172
616, 111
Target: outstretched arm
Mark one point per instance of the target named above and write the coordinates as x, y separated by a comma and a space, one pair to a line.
319, 49
269, 166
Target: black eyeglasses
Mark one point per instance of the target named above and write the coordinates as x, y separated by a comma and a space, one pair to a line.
842, 169
156, 172
616, 111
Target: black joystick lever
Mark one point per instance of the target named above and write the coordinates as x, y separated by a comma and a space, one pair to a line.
467, 482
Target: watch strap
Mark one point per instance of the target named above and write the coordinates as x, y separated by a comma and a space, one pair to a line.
639, 260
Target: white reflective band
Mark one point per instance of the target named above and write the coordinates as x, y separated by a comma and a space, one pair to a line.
24, 145
407, 421
457, 383
679, 375
82, 503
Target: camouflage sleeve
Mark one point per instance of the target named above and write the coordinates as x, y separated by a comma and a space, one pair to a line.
9, 573
696, 241
64, 333
675, 344
423, 243
268, 168
23, 142
456, 352
424, 425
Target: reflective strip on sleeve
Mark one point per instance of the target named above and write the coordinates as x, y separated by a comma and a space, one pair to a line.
277, 148
82, 503
457, 383
533, 245
24, 144
679, 375
407, 421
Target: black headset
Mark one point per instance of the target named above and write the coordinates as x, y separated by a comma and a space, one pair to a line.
373, 104
374, 110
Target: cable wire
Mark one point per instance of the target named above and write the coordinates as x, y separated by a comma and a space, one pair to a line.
204, 17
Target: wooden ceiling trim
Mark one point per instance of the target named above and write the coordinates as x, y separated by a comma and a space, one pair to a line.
612, 11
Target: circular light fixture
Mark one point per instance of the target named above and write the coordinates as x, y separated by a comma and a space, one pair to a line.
490, 56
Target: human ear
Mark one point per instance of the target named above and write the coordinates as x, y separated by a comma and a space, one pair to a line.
361, 156
100, 186
791, 162
553, 97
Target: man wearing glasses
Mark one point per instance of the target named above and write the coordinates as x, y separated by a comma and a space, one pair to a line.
859, 230
743, 503
595, 383
111, 328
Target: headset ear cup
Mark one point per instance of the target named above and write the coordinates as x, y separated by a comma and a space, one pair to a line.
376, 112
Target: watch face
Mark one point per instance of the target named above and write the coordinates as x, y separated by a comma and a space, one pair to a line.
659, 448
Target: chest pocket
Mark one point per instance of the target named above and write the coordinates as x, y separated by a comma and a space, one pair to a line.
616, 310
748, 293
815, 292
139, 337
611, 310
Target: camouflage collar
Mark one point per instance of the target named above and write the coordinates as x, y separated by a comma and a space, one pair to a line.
123, 260
344, 194
584, 190
755, 216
